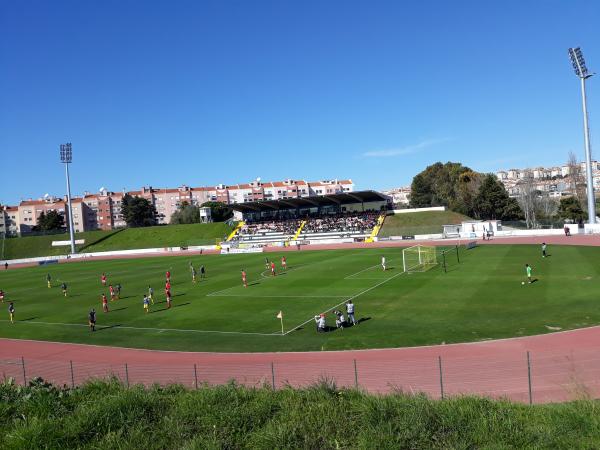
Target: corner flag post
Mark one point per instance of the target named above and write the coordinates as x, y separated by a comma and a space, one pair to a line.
280, 317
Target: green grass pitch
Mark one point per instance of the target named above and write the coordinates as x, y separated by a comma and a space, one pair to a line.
480, 298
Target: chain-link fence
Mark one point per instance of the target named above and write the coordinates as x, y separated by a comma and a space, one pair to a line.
525, 376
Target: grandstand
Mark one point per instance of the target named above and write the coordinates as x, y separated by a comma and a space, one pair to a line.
350, 216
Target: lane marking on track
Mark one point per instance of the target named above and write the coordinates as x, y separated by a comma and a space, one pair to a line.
339, 304
125, 327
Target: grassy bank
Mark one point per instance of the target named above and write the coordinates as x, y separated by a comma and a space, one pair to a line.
108, 415
125, 239
428, 222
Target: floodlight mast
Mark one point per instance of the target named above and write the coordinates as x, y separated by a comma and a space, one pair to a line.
582, 72
66, 157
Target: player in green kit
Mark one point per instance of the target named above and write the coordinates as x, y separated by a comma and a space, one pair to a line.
528, 270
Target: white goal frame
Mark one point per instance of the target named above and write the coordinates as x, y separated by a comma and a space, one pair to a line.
426, 258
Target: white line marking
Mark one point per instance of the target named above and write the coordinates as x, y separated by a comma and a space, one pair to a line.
350, 298
281, 296
180, 330
361, 271
369, 278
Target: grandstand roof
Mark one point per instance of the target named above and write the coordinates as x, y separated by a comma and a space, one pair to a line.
312, 201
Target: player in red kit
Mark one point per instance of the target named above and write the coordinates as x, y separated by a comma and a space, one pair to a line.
104, 303
168, 286
244, 278
273, 268
168, 294
283, 263
103, 279
112, 292
168, 276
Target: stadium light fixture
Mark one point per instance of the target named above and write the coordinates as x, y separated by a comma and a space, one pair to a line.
66, 157
582, 72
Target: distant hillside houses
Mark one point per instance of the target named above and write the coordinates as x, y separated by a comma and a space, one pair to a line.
555, 181
400, 196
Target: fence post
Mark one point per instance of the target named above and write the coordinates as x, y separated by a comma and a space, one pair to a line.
441, 377
355, 375
457, 257
195, 377
72, 375
126, 375
529, 377
24, 375
444, 261
273, 374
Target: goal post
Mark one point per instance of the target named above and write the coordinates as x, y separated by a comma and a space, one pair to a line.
449, 257
419, 258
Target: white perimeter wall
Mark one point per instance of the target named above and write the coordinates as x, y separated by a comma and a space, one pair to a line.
413, 210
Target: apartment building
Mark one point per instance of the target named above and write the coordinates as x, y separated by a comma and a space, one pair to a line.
102, 211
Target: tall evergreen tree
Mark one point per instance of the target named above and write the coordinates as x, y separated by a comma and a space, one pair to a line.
492, 201
570, 208
138, 211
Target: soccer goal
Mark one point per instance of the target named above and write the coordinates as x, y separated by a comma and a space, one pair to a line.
419, 258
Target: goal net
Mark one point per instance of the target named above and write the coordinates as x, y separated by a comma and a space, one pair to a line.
419, 258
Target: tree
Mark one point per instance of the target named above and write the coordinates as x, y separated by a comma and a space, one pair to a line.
186, 213
569, 208
420, 192
50, 222
577, 183
469, 183
492, 201
438, 185
528, 199
138, 211
219, 211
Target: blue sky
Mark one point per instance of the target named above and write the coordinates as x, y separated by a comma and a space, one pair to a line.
200, 93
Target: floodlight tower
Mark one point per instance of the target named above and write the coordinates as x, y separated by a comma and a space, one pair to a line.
582, 72
66, 156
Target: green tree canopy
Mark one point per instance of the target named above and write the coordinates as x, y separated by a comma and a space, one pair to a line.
51, 221
570, 208
492, 201
463, 190
138, 211
451, 184
219, 211
185, 214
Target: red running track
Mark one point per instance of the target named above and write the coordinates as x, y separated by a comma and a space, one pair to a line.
564, 366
